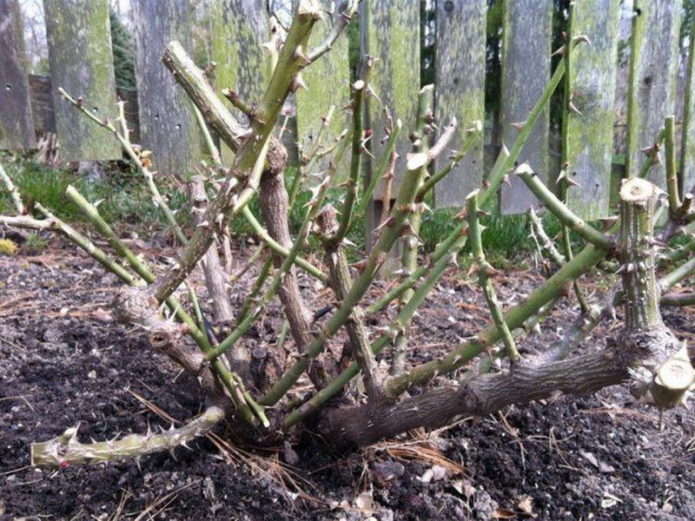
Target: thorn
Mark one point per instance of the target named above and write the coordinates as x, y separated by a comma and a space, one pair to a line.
519, 125
560, 52
574, 109
607, 222
582, 38
301, 56
388, 222
298, 83
571, 182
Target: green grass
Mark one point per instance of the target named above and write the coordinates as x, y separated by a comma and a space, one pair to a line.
124, 200
503, 236
120, 196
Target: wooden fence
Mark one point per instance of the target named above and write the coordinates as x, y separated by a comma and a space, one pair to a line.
80, 61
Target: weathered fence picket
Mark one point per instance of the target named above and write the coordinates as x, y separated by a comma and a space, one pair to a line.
44, 115
328, 84
525, 72
79, 51
687, 158
392, 37
239, 28
652, 85
167, 121
460, 90
592, 73
81, 62
16, 122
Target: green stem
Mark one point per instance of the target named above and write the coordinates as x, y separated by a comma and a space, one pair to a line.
196, 333
561, 211
464, 352
128, 148
357, 94
473, 134
416, 168
484, 271
674, 200
678, 299
250, 316
279, 248
680, 273
377, 175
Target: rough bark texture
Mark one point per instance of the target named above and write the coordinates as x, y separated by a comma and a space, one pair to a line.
136, 308
79, 51
525, 72
16, 122
275, 210
654, 60
644, 344
460, 92
212, 268
483, 395
592, 76
167, 121
341, 282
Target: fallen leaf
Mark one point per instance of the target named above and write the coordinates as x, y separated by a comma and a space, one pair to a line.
589, 456
464, 487
503, 513
436, 473
365, 503
600, 465
525, 506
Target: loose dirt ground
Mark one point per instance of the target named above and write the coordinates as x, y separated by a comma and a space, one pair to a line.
64, 361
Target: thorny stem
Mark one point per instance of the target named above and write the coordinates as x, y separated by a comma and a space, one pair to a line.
638, 200
653, 157
503, 165
250, 155
65, 450
564, 180
420, 142
559, 209
674, 200
484, 272
275, 246
137, 160
380, 171
357, 95
545, 242
230, 380
341, 281
473, 134
250, 317
550, 289
416, 168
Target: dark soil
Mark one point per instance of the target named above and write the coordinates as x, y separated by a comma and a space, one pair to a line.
66, 362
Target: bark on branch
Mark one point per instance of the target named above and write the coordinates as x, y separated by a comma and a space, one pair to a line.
480, 396
65, 450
